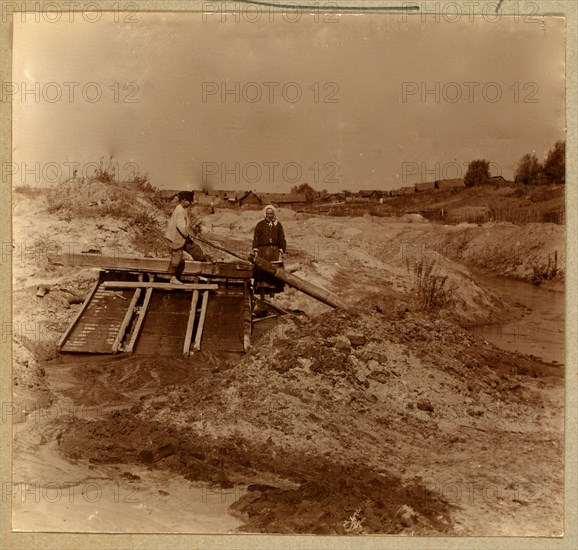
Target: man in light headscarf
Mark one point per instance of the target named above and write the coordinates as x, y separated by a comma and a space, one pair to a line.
269, 243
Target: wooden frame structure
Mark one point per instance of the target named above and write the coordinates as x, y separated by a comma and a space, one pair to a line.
118, 308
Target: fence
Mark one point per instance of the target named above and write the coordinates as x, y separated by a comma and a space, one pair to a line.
484, 214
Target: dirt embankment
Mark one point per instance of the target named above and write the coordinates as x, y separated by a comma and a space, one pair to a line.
384, 253
366, 413
381, 420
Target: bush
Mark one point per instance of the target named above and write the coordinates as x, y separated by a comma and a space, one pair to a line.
545, 272
144, 220
143, 183
431, 289
105, 173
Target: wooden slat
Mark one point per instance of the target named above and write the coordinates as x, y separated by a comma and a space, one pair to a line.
238, 269
190, 324
201, 320
79, 314
126, 320
160, 286
142, 314
247, 317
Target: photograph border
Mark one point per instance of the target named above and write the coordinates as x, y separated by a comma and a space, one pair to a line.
376, 8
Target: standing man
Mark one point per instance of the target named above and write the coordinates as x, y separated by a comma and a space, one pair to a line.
180, 240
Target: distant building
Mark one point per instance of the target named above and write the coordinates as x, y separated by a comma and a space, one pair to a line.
283, 199
456, 183
370, 194
276, 199
499, 180
215, 197
425, 186
402, 191
249, 198
333, 197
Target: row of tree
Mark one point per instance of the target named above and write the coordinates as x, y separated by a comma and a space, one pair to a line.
307, 190
530, 170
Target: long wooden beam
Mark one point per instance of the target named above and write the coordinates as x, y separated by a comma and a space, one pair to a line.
125, 322
300, 284
201, 324
239, 269
79, 314
190, 324
160, 286
140, 320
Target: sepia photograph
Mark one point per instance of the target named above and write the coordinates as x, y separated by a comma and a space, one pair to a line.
286, 269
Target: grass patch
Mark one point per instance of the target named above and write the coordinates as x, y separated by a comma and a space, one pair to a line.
91, 199
432, 291
546, 271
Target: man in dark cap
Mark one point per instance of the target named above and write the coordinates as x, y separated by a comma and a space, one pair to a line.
180, 239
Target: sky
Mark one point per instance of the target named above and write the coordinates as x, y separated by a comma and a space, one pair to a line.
364, 101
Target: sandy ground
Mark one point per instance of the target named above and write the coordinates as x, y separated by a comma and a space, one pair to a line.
384, 419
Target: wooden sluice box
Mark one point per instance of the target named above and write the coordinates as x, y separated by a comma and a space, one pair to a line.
131, 309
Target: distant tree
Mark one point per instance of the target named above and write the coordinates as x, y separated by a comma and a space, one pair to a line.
478, 173
529, 170
305, 189
555, 164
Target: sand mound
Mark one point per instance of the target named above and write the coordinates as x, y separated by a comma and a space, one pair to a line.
364, 393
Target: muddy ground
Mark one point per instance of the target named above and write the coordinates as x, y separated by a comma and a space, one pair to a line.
385, 419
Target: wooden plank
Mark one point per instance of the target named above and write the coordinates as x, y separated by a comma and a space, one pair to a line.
79, 314
160, 286
234, 270
201, 320
142, 314
190, 324
126, 320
